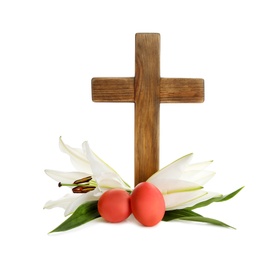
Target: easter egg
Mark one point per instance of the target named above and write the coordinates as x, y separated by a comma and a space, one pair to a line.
147, 204
114, 205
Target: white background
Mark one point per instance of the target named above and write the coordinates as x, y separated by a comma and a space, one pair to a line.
50, 50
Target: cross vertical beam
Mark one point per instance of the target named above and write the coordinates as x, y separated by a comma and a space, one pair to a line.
147, 105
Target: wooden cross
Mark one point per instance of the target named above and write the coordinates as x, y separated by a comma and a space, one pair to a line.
147, 90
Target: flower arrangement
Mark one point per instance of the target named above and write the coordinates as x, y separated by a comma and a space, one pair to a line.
98, 191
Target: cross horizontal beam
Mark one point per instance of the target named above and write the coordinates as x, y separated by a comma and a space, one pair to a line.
172, 90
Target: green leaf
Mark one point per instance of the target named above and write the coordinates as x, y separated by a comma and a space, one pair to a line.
231, 195
215, 199
189, 215
83, 214
178, 214
206, 220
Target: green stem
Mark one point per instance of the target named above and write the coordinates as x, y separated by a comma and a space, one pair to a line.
91, 183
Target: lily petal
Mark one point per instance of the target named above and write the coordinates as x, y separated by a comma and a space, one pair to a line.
207, 196
89, 196
101, 170
197, 176
77, 157
63, 202
111, 181
66, 177
190, 199
174, 186
97, 164
198, 166
173, 170
180, 199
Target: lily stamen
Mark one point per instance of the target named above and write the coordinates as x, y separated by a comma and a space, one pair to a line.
83, 185
86, 179
83, 189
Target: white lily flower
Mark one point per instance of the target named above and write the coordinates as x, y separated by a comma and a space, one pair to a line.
92, 178
181, 183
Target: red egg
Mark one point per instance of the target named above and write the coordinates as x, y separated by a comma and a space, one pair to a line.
147, 204
114, 205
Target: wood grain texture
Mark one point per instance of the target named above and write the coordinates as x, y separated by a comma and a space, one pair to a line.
147, 105
113, 89
174, 90
147, 90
